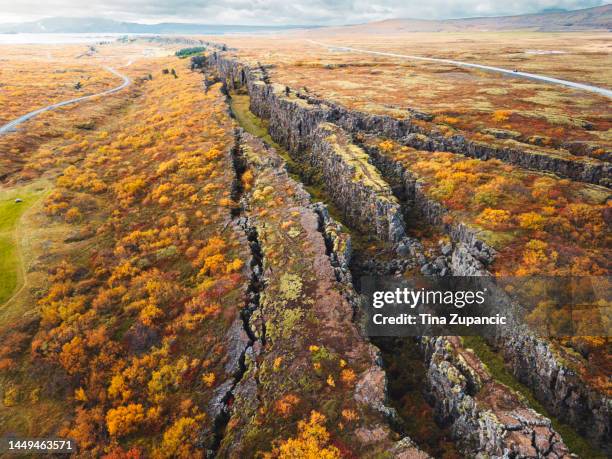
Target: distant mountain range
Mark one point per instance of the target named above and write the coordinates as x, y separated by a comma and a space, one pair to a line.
598, 18
97, 25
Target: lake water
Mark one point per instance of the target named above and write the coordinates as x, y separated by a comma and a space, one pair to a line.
59, 38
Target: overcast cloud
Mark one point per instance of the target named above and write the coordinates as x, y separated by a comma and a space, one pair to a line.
267, 12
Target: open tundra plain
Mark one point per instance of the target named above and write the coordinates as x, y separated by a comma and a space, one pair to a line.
181, 246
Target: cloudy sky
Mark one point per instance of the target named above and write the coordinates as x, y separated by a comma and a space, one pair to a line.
264, 12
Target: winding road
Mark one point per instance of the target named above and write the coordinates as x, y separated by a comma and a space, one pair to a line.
532, 76
9, 127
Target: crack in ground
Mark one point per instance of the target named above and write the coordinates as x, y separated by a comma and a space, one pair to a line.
256, 285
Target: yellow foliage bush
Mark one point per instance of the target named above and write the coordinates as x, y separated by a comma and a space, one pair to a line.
234, 266
494, 218
311, 442
537, 258
386, 146
124, 420
531, 220
499, 116
180, 438
209, 379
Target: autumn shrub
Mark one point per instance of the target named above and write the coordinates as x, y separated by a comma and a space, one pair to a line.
500, 116
124, 419
285, 406
494, 218
445, 119
531, 221
73, 215
311, 441
537, 257
386, 145
180, 438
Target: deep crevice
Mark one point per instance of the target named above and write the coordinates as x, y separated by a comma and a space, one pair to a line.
348, 269
252, 296
265, 100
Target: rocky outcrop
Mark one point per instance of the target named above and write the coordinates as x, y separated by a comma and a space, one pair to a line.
304, 283
580, 169
243, 340
536, 363
354, 184
469, 255
301, 125
405, 131
532, 360
298, 123
581, 148
349, 179
339, 250
486, 418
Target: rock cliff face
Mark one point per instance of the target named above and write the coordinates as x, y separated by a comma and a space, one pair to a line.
488, 419
532, 360
351, 181
310, 130
408, 133
538, 365
583, 170
405, 131
354, 184
470, 256
300, 281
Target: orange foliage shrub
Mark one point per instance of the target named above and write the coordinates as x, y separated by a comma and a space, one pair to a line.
531, 220
499, 116
285, 405
494, 218
312, 441
124, 419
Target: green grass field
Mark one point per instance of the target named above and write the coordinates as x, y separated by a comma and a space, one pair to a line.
10, 213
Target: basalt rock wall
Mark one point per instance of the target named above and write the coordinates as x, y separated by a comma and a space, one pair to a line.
304, 129
532, 360
470, 256
559, 387
406, 131
488, 419
294, 122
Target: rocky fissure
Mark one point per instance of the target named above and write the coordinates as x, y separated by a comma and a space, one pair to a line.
537, 364
532, 360
469, 255
590, 170
405, 131
241, 338
300, 124
331, 254
305, 127
486, 417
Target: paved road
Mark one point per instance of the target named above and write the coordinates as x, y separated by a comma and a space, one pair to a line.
9, 127
531, 76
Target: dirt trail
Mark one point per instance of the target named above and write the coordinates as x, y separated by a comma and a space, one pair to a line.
9, 127
515, 73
